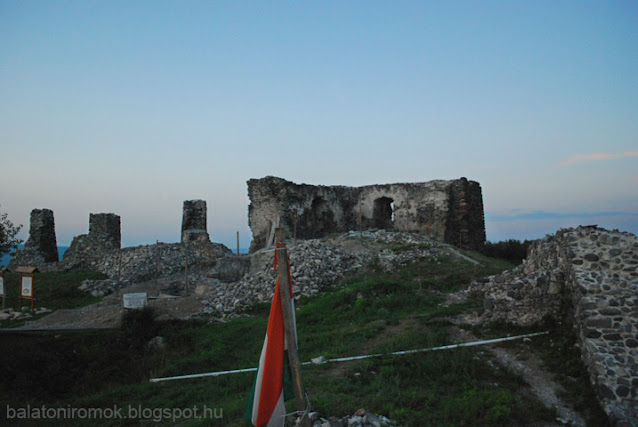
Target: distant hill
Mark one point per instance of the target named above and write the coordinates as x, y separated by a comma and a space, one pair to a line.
6, 258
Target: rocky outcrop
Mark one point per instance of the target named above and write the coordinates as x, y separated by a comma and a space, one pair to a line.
448, 211
588, 277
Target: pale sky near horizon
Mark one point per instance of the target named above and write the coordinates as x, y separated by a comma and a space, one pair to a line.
134, 107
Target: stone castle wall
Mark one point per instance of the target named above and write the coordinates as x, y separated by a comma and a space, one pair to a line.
449, 211
588, 277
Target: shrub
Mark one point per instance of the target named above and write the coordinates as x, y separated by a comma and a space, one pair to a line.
511, 250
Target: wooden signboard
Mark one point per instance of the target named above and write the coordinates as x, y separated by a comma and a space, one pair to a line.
27, 275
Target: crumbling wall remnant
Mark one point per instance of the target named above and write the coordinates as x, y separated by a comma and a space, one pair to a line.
586, 276
448, 211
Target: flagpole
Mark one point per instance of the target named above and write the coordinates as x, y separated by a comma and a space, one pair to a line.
293, 356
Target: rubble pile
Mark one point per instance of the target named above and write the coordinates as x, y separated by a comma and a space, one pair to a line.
318, 263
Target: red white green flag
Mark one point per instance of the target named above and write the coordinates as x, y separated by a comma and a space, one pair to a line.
273, 384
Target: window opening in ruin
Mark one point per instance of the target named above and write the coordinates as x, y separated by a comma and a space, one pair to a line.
383, 213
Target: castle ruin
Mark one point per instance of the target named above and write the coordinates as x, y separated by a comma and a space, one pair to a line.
448, 211
41, 247
194, 221
100, 249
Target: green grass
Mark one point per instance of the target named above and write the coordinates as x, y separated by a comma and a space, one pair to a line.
51, 290
375, 312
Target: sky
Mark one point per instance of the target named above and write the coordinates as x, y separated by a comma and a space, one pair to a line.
134, 107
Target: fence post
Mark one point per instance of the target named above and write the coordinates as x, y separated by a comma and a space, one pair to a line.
293, 356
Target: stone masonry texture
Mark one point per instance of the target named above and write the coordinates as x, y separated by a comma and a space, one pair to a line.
586, 276
448, 211
106, 228
194, 221
41, 247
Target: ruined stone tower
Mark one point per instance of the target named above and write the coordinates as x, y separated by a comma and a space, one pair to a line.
41, 247
194, 221
106, 228
87, 250
42, 234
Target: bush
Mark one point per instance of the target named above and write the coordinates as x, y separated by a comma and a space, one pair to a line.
139, 327
510, 250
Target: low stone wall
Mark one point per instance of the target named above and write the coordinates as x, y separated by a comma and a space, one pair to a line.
587, 276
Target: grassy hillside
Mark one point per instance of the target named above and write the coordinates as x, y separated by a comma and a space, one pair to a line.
375, 312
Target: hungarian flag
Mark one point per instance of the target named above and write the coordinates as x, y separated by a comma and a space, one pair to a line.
273, 384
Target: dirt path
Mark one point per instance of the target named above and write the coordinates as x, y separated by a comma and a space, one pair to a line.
108, 313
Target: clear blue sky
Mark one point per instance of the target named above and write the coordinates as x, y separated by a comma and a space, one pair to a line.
134, 107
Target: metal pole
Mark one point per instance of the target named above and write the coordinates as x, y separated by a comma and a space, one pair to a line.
238, 243
367, 356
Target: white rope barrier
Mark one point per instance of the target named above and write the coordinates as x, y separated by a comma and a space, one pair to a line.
347, 359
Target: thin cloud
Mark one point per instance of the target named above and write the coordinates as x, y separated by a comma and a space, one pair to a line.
579, 158
543, 215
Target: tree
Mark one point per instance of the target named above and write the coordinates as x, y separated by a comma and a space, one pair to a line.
8, 233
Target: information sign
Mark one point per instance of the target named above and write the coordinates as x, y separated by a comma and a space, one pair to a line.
136, 300
27, 286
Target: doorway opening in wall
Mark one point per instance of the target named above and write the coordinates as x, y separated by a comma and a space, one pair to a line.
320, 220
383, 213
